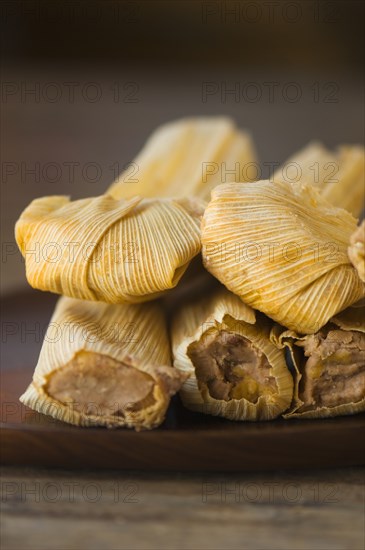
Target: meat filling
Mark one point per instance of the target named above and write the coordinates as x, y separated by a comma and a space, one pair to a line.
334, 373
96, 384
231, 367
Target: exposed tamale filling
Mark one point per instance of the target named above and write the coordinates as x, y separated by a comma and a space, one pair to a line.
231, 367
334, 373
97, 384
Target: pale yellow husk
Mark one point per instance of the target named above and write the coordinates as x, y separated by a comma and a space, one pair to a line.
223, 310
116, 251
283, 250
134, 335
339, 175
356, 250
351, 319
188, 157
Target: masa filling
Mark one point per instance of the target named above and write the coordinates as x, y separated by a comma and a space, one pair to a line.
334, 373
231, 367
97, 384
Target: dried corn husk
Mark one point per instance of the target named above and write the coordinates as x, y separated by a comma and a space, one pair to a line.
224, 313
345, 327
349, 191
188, 157
339, 175
94, 359
109, 250
352, 318
314, 165
356, 250
283, 250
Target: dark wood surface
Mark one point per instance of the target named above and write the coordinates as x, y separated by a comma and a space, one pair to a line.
185, 442
45, 509
57, 509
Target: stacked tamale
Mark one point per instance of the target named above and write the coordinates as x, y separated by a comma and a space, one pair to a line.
255, 287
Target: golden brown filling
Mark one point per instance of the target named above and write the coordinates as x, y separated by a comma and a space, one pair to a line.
231, 367
334, 373
96, 384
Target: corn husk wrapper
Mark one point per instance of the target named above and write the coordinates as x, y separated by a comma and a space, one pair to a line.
351, 319
133, 335
225, 311
356, 250
188, 157
283, 250
115, 251
339, 175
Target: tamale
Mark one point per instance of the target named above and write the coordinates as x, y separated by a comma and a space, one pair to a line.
329, 366
339, 175
188, 157
234, 369
283, 250
116, 251
104, 365
356, 250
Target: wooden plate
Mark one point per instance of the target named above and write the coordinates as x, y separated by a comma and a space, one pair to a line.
186, 441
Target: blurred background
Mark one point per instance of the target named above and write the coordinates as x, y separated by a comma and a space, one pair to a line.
84, 83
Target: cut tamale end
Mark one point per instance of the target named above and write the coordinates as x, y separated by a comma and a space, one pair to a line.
339, 175
109, 250
234, 370
283, 250
329, 367
105, 365
187, 157
356, 250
